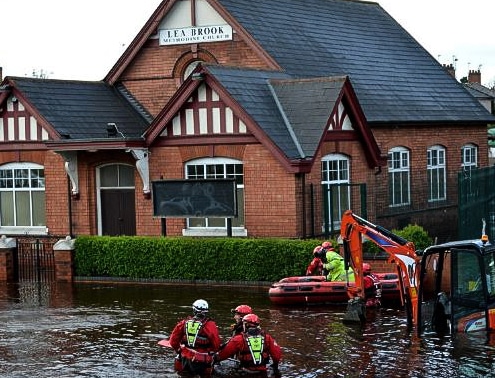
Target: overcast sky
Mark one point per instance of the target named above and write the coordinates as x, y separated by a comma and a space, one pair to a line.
81, 40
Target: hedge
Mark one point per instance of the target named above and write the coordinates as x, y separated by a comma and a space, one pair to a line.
219, 259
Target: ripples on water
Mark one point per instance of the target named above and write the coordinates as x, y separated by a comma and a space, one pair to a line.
111, 330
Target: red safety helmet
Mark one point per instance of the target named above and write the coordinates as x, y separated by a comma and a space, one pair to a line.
251, 320
366, 268
317, 250
327, 245
242, 310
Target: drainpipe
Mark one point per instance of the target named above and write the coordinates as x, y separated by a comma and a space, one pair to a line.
69, 196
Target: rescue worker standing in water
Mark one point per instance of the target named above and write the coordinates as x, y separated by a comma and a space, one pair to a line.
195, 339
239, 312
372, 287
333, 263
254, 348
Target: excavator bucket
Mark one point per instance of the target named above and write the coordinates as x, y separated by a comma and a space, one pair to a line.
356, 311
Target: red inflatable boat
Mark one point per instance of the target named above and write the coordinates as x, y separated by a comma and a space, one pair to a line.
300, 290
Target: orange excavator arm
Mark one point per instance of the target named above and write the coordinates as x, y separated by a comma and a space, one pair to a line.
400, 252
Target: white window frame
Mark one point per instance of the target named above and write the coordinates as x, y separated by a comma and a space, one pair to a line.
208, 230
437, 173
469, 157
335, 169
31, 229
399, 174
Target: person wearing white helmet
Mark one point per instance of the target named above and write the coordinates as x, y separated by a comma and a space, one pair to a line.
195, 339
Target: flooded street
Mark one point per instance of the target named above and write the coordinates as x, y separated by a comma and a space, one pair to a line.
112, 330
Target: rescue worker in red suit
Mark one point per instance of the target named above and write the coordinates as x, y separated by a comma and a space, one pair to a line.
315, 267
372, 287
195, 339
253, 348
239, 312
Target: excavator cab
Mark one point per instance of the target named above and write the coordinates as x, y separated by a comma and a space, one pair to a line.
456, 292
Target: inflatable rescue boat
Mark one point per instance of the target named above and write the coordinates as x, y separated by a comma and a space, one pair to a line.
299, 290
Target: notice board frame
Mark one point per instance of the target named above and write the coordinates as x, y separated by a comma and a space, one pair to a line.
208, 198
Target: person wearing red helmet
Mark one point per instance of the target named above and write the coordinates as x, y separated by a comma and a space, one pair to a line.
253, 347
315, 267
239, 312
372, 287
195, 339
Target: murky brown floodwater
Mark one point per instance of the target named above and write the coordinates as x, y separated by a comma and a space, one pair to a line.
111, 330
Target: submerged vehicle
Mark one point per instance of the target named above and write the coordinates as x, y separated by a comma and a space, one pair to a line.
448, 287
299, 290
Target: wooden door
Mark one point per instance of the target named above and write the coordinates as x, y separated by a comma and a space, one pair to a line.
118, 212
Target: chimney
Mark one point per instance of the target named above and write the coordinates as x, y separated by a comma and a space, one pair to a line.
450, 69
474, 76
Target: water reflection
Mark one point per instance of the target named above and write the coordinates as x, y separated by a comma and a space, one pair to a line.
111, 330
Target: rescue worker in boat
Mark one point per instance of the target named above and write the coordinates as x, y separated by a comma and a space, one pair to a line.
253, 347
239, 312
333, 263
195, 339
372, 287
315, 267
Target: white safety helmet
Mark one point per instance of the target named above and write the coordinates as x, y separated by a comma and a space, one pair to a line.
200, 307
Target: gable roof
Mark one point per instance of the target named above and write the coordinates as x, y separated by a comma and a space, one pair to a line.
290, 116
80, 110
480, 91
395, 78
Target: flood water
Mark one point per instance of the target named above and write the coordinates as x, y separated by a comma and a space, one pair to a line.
112, 330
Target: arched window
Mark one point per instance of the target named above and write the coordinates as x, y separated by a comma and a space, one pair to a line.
217, 168
22, 198
437, 173
399, 176
190, 68
336, 179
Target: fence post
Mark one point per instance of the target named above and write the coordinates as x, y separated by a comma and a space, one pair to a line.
7, 250
63, 252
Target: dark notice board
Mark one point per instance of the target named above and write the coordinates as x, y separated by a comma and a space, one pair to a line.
194, 198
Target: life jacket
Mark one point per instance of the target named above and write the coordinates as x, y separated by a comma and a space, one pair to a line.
195, 342
194, 334
371, 285
255, 353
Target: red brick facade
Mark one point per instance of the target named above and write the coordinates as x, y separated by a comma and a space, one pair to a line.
279, 200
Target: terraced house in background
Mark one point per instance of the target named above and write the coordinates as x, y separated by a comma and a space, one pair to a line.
313, 107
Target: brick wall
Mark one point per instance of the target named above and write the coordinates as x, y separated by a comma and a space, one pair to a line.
156, 72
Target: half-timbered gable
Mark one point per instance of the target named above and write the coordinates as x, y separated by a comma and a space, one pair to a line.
17, 124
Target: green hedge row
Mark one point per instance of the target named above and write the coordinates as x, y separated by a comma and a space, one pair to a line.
218, 259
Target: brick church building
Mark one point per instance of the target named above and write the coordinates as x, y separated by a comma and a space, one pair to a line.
313, 107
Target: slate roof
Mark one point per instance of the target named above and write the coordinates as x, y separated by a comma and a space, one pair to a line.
251, 91
82, 109
307, 105
293, 112
394, 77
480, 91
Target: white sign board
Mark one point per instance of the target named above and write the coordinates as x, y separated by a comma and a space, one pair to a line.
195, 34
